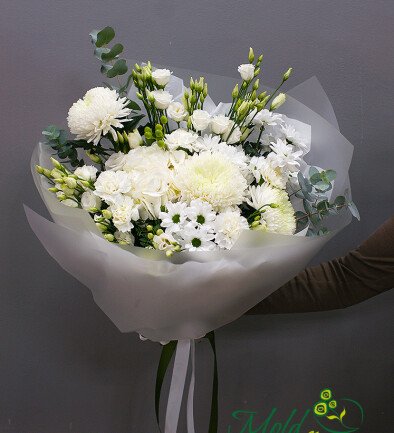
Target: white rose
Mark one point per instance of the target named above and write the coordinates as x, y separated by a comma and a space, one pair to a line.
116, 161
219, 124
180, 138
87, 172
235, 134
176, 111
162, 99
200, 119
124, 210
90, 201
134, 139
161, 76
247, 71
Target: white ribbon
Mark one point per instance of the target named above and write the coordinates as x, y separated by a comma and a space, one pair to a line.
184, 350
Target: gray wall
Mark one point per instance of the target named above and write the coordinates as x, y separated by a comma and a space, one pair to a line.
64, 367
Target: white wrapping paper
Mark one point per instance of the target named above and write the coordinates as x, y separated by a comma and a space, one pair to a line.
193, 292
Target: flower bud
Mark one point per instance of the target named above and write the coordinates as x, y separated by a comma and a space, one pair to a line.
150, 236
235, 91
56, 163
120, 137
259, 60
278, 101
161, 144
251, 55
256, 72
70, 182
151, 97
205, 90
262, 95
134, 138
191, 84
107, 214
159, 232
93, 157
139, 96
101, 227
256, 84
109, 237
163, 120
255, 224
56, 174
287, 74
149, 228
169, 253
53, 189
39, 169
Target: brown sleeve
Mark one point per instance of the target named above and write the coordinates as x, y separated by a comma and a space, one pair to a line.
340, 283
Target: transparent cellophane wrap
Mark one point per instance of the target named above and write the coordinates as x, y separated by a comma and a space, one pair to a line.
192, 293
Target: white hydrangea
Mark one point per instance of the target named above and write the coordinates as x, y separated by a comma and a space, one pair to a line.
279, 219
110, 185
211, 177
98, 113
228, 227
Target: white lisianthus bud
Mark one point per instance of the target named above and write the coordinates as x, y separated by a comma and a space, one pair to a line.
70, 182
161, 76
287, 74
134, 138
246, 71
176, 111
86, 172
162, 99
278, 101
90, 201
200, 119
219, 124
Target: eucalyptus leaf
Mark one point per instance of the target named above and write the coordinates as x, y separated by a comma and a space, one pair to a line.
340, 200
312, 171
330, 175
119, 68
112, 53
353, 209
98, 52
315, 178
104, 36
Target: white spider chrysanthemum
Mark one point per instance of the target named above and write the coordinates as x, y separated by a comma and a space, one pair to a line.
280, 219
97, 114
228, 227
264, 117
263, 168
212, 178
293, 136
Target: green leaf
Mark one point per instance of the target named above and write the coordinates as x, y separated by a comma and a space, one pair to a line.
103, 37
353, 209
322, 206
52, 132
98, 52
340, 200
105, 68
330, 175
343, 413
307, 206
112, 53
312, 171
304, 183
315, 178
323, 186
133, 105
119, 68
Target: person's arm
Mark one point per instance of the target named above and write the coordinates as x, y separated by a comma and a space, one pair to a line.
340, 283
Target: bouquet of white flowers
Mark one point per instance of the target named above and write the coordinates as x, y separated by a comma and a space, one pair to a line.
171, 175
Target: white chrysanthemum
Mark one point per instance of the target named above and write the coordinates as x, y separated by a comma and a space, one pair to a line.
264, 118
279, 219
200, 213
263, 168
110, 185
124, 210
285, 155
211, 177
197, 239
293, 136
174, 217
228, 227
97, 113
